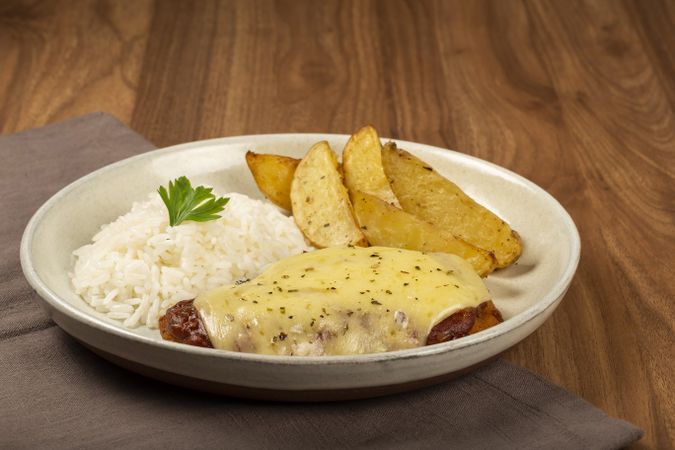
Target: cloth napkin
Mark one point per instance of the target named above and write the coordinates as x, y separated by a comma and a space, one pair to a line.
54, 393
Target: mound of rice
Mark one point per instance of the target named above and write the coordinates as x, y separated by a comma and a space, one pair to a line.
138, 266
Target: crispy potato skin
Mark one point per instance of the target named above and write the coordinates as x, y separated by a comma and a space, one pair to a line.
465, 322
320, 203
273, 174
424, 193
386, 225
182, 324
362, 162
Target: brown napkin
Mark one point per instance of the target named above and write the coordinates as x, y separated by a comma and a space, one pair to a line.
54, 393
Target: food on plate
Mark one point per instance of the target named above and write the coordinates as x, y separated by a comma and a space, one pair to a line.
362, 162
320, 202
139, 265
273, 174
182, 323
400, 179
238, 274
426, 194
339, 301
387, 225
465, 322
184, 202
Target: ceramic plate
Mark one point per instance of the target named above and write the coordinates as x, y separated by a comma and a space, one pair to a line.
526, 293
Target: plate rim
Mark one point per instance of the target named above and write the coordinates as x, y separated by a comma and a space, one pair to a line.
552, 295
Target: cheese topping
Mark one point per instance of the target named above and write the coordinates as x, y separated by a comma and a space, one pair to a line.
340, 301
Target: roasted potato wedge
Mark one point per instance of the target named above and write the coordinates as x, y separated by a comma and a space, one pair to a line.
362, 162
320, 202
389, 226
424, 193
273, 174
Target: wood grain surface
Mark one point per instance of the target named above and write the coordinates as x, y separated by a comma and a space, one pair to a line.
578, 96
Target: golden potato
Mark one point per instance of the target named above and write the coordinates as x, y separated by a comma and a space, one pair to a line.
273, 175
389, 226
362, 162
426, 194
320, 202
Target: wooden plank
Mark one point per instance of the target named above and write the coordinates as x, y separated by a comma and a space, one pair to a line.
61, 59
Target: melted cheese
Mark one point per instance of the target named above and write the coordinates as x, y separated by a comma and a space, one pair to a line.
340, 301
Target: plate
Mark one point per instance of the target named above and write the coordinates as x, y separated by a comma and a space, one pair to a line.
526, 293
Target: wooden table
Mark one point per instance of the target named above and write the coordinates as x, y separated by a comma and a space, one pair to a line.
578, 97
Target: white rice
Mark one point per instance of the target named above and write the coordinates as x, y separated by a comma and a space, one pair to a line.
138, 266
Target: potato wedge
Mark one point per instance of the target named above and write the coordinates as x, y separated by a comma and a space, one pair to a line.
424, 193
320, 202
362, 162
273, 174
389, 226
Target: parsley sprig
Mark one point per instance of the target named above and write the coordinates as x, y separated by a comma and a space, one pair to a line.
187, 203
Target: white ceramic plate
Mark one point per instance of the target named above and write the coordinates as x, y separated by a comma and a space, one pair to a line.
526, 293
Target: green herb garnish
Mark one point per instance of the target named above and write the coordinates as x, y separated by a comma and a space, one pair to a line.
187, 203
